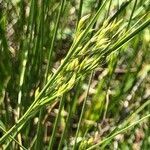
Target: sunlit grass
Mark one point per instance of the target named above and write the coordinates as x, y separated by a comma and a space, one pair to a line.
74, 80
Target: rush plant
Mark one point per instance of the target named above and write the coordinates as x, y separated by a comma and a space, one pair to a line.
74, 76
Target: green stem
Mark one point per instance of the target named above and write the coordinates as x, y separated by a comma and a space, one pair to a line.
83, 109
71, 110
118, 132
132, 14
80, 11
109, 8
40, 127
11, 137
39, 143
52, 138
122, 8
53, 38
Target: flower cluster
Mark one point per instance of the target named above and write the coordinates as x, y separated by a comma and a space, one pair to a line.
89, 54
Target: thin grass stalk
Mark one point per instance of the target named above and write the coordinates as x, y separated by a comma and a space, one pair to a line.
73, 101
107, 101
118, 132
82, 111
14, 135
15, 128
122, 8
118, 4
142, 8
40, 127
24, 61
22, 74
135, 113
52, 138
80, 11
5, 67
39, 143
109, 8
133, 26
135, 3
17, 142
53, 38
128, 120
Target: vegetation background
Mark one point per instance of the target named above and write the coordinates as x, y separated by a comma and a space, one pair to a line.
74, 74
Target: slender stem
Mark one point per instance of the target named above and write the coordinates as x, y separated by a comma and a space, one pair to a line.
118, 132
53, 38
38, 144
23, 70
135, 113
122, 8
24, 62
73, 102
132, 14
11, 137
83, 109
80, 10
128, 120
109, 8
52, 138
